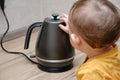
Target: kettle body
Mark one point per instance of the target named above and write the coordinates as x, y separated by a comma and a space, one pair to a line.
53, 49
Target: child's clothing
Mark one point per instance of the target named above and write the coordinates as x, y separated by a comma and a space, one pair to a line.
105, 66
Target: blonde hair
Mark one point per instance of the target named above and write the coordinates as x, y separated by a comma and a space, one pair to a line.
97, 22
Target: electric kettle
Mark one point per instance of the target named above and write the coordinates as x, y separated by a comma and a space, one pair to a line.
53, 49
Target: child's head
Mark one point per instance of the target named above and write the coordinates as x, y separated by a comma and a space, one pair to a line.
96, 21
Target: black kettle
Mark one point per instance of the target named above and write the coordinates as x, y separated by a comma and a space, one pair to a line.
53, 49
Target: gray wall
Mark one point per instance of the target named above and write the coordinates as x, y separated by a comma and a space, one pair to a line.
22, 13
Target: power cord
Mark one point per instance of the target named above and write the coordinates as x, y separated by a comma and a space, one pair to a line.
4, 34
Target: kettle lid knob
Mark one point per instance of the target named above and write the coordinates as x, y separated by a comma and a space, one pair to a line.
55, 16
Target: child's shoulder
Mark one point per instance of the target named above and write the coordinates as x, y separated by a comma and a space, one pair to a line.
106, 67
90, 65
93, 70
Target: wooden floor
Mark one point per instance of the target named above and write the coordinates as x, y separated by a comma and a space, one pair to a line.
17, 67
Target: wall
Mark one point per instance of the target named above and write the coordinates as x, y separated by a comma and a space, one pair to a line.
22, 13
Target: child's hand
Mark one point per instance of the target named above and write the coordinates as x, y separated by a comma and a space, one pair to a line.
65, 28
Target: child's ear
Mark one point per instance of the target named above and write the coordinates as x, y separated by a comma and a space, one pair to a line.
76, 39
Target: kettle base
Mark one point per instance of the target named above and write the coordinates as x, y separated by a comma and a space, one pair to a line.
55, 69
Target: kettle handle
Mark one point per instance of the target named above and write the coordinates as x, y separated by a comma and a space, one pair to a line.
29, 31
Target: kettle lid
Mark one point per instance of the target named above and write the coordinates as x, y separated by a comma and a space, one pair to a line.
53, 18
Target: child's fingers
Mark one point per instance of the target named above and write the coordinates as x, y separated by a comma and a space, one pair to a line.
64, 28
65, 20
64, 15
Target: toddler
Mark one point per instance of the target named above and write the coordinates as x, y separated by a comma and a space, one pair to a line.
94, 28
